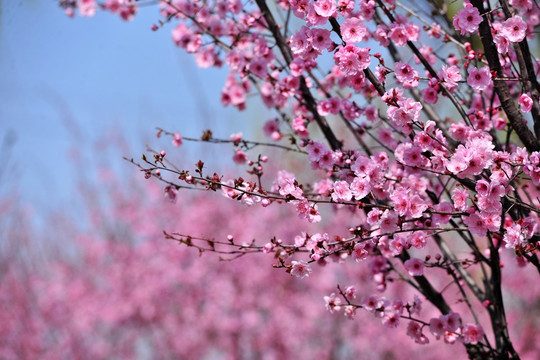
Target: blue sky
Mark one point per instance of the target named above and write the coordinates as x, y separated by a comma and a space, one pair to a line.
65, 83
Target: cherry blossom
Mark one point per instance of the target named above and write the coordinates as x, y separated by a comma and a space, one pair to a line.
479, 79
514, 29
300, 269
526, 103
415, 267
467, 19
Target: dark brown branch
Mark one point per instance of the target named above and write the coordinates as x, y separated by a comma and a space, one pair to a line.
310, 103
496, 309
507, 102
526, 68
457, 265
367, 72
428, 67
533, 259
436, 298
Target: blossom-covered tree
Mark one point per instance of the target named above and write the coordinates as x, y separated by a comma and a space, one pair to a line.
421, 119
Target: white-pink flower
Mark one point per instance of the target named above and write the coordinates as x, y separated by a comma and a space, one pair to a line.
300, 269
514, 236
417, 206
341, 191
359, 252
352, 60
332, 303
87, 7
391, 319
360, 188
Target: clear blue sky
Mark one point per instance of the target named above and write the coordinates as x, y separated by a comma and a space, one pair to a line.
95, 75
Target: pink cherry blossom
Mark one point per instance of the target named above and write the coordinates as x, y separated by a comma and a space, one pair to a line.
332, 303
341, 191
414, 330
451, 75
316, 150
526, 103
87, 7
360, 188
514, 29
271, 129
360, 253
417, 206
330, 106
437, 326
467, 20
406, 75
240, 157
430, 95
415, 267
325, 8
320, 39
472, 334
388, 222
300, 269
401, 33
522, 4
381, 35
502, 43
479, 79
177, 139
354, 30
514, 236
403, 116
452, 321
351, 59
391, 319
476, 223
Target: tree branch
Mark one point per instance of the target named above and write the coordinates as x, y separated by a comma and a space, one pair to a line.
507, 102
310, 102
